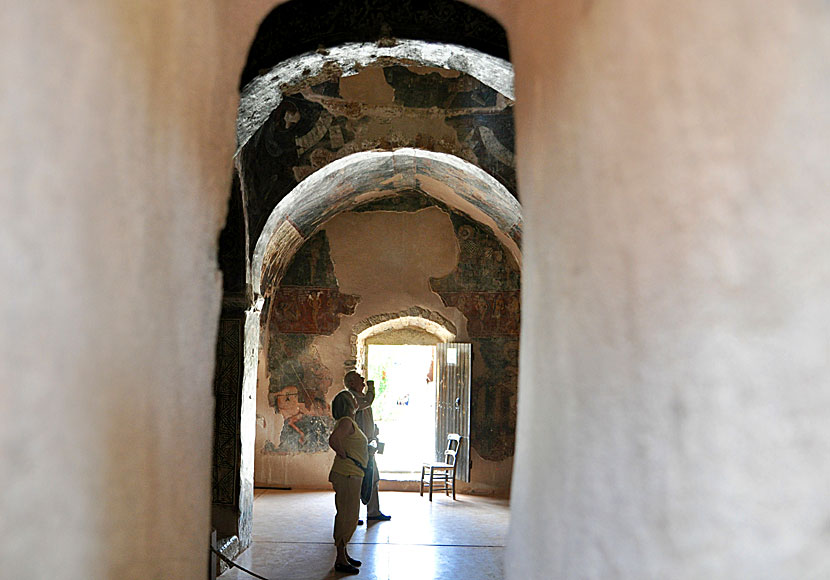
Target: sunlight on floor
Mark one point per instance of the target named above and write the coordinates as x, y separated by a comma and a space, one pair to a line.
456, 540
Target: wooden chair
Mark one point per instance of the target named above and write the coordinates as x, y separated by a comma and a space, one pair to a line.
441, 475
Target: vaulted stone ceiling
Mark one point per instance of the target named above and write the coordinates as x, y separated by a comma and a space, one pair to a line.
362, 180
301, 113
389, 105
379, 108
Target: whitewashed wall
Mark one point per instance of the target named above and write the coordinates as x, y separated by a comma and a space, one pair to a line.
675, 375
116, 143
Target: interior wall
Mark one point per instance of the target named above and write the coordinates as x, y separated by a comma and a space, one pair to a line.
370, 263
674, 370
118, 124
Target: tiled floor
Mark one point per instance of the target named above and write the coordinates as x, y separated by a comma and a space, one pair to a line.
453, 540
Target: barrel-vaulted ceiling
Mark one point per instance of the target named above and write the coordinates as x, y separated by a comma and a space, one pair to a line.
355, 181
453, 135
325, 131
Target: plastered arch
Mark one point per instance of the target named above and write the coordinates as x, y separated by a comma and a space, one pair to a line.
361, 177
264, 94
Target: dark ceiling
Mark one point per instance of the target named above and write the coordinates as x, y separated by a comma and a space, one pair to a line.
301, 26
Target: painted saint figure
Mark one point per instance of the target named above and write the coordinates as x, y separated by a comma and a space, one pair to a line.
306, 423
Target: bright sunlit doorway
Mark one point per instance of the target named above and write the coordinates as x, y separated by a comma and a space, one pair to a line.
404, 407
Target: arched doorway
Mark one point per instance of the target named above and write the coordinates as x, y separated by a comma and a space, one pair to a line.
298, 138
369, 258
397, 352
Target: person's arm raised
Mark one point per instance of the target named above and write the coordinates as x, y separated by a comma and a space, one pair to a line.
370, 393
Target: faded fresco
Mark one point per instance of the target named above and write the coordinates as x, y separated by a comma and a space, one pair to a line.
310, 310
307, 305
297, 391
483, 264
485, 287
489, 314
312, 265
493, 397
447, 112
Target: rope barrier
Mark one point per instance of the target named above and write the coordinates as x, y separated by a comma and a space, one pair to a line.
233, 564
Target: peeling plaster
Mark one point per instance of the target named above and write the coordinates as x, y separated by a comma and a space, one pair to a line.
263, 94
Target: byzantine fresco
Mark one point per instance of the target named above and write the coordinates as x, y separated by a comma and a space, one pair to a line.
297, 391
310, 310
307, 305
489, 314
447, 112
485, 287
493, 397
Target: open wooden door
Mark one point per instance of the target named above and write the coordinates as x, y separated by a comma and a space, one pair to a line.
453, 364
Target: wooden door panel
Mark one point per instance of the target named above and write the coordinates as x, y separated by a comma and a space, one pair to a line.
452, 406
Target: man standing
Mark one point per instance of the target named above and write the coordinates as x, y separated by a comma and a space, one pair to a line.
366, 421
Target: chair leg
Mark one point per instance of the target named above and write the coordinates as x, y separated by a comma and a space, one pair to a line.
453, 483
421, 483
431, 482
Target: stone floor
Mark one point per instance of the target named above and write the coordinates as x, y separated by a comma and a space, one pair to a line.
453, 540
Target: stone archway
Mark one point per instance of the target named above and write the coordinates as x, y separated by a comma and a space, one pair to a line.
264, 93
413, 318
361, 177
305, 201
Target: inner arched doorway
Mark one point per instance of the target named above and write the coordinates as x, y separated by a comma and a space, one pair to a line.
397, 352
298, 138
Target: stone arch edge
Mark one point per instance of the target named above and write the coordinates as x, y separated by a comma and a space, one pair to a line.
430, 321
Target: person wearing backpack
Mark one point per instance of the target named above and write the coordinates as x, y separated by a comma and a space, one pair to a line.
351, 459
